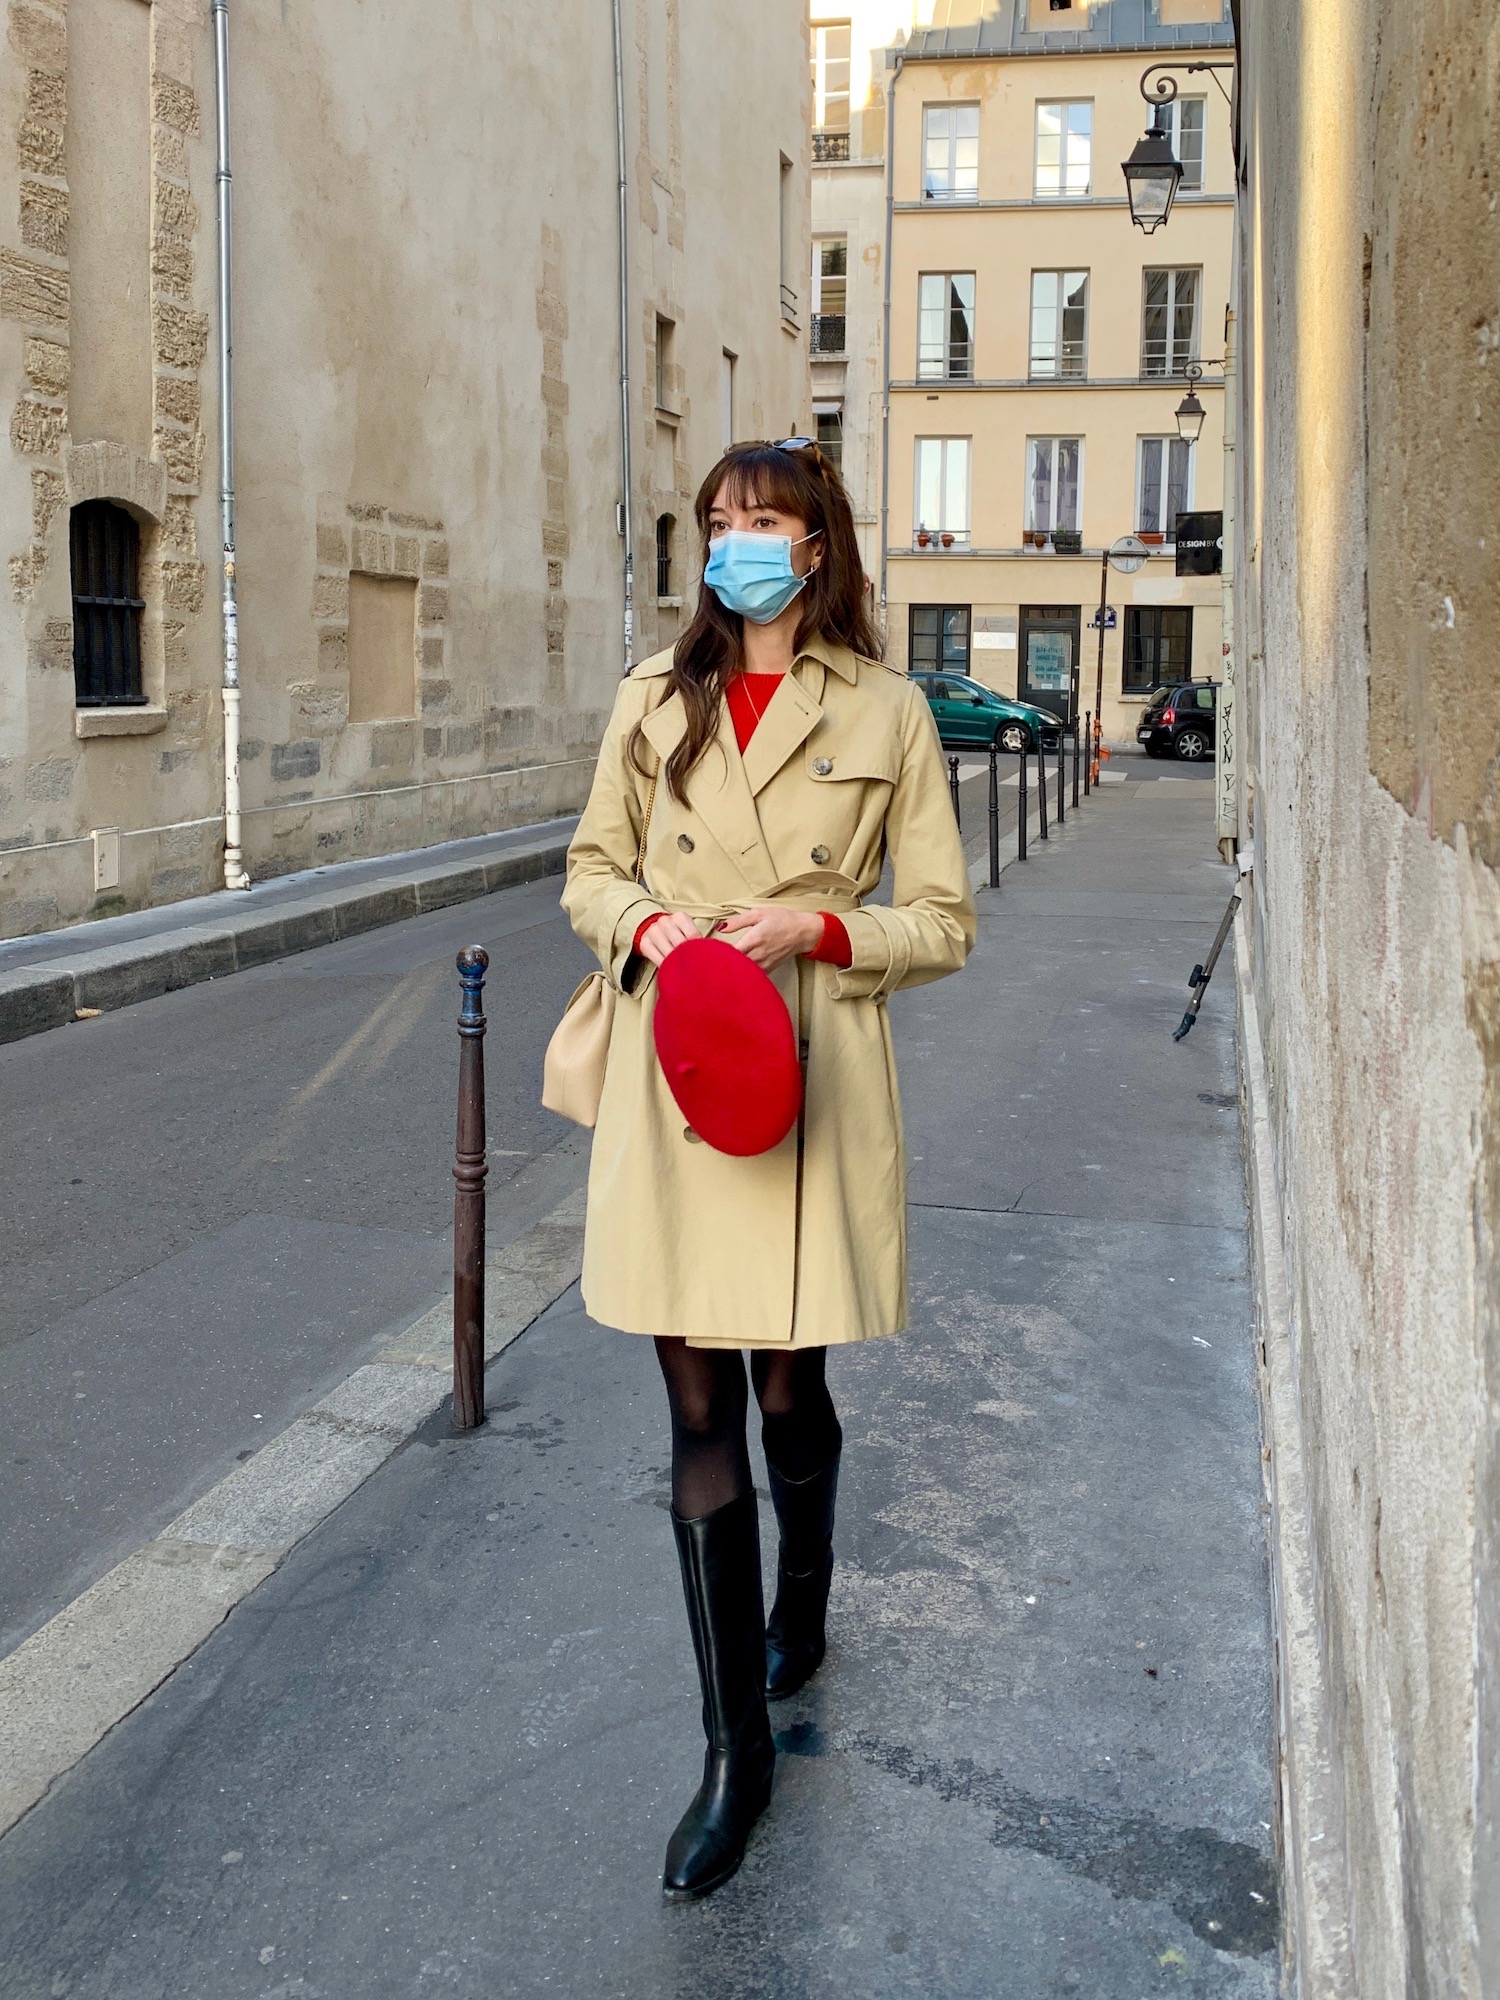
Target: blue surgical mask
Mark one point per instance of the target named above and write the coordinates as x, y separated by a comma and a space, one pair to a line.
753, 574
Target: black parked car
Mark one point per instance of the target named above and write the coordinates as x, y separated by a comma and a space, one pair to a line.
1179, 721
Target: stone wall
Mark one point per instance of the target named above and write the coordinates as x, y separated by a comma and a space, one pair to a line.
1369, 503
427, 392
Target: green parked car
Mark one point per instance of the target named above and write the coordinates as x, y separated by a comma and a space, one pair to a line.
968, 716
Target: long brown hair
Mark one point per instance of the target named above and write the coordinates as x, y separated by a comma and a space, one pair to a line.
711, 651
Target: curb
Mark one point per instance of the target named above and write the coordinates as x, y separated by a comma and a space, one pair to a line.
36, 997
66, 1687
1316, 1958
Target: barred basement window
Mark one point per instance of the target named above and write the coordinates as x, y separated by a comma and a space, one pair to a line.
107, 607
664, 526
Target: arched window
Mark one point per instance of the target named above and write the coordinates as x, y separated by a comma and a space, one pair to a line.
107, 606
664, 526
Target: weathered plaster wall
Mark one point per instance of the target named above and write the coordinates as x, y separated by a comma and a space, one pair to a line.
1369, 480
427, 378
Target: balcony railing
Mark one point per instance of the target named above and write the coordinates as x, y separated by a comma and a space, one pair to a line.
1064, 361
830, 145
829, 333
953, 363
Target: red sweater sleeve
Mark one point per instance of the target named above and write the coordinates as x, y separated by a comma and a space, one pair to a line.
835, 948
641, 929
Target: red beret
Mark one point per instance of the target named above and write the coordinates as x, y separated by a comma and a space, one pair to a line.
726, 1047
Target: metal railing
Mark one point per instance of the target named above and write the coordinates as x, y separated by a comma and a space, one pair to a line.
830, 146
829, 333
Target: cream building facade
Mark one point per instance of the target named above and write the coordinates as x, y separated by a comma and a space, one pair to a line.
1038, 342
427, 409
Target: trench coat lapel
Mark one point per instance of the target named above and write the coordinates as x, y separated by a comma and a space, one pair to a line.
793, 713
718, 792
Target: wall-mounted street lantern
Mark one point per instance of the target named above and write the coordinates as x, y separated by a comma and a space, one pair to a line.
1190, 412
1151, 176
1153, 171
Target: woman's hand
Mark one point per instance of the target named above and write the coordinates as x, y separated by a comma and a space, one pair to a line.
665, 934
771, 936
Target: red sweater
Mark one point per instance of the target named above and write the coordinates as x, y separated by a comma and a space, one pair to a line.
749, 697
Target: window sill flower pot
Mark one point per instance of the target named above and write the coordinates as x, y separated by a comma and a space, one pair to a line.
1068, 541
947, 540
1152, 538
923, 538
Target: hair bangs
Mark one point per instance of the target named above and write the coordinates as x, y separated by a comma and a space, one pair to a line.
761, 476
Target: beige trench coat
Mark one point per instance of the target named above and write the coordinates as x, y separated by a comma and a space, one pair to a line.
803, 1246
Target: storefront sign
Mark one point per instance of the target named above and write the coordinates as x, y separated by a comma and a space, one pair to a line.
1200, 544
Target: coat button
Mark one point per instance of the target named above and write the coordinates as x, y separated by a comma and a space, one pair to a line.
693, 1138
822, 766
685, 842
820, 857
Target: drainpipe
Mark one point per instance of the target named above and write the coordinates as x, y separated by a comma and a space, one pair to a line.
234, 870
626, 521
885, 333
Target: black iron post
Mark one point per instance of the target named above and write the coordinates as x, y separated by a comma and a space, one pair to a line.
1075, 760
1041, 792
1021, 821
1088, 718
470, 1168
953, 788
1062, 769
994, 815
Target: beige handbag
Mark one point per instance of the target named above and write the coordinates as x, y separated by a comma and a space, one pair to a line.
573, 1069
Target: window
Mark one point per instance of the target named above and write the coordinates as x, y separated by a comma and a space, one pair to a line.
1183, 122
107, 605
945, 327
1169, 322
942, 497
1054, 469
950, 152
664, 527
1158, 645
1164, 484
664, 332
830, 68
1059, 323
830, 294
382, 647
1064, 148
830, 428
726, 397
940, 640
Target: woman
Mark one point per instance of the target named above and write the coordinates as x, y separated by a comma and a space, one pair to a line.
773, 764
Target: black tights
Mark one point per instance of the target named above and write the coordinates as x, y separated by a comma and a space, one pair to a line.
706, 1391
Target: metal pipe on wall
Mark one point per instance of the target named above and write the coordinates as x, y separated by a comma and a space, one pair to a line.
626, 520
885, 333
235, 876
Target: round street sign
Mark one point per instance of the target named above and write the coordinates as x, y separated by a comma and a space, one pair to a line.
1128, 554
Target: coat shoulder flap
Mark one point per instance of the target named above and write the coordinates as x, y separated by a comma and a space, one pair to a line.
860, 734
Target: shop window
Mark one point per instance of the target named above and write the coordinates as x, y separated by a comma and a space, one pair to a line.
1158, 646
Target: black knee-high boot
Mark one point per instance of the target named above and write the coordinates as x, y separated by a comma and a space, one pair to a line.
795, 1641
720, 1558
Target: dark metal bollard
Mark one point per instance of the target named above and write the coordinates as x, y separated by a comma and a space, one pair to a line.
1062, 769
1041, 792
1075, 763
994, 816
953, 788
470, 1168
1021, 820
1088, 717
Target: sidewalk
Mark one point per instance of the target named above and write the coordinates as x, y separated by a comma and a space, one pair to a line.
444, 1743
118, 961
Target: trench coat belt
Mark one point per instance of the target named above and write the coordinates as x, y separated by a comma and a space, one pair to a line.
823, 891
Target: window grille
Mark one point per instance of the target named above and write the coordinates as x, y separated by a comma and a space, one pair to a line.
106, 558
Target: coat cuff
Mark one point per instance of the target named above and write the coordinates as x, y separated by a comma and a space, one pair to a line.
628, 921
880, 953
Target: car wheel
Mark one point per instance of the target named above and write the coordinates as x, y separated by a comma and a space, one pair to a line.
1192, 746
1013, 736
